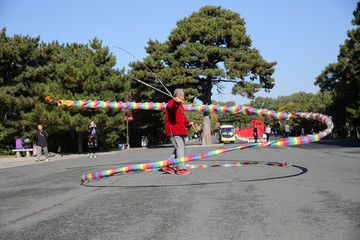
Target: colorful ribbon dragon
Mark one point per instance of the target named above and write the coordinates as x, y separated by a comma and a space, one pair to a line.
202, 108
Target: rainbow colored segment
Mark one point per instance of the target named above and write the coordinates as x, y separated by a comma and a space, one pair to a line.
238, 109
108, 104
236, 164
146, 166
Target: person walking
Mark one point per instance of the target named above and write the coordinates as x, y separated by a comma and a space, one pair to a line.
93, 139
175, 128
287, 130
302, 133
268, 132
255, 133
42, 143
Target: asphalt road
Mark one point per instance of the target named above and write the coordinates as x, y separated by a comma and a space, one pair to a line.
317, 197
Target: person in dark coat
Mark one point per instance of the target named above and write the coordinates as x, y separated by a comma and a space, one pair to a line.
255, 133
93, 139
42, 143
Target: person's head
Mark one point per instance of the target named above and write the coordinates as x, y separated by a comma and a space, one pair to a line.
179, 93
92, 123
40, 127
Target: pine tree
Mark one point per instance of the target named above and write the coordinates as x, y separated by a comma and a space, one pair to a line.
342, 79
30, 71
81, 79
18, 57
207, 49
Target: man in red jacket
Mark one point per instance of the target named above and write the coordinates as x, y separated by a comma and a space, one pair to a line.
175, 127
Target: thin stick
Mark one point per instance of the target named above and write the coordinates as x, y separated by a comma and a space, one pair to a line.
155, 77
146, 68
84, 59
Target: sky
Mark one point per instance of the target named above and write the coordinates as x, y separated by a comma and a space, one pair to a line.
303, 37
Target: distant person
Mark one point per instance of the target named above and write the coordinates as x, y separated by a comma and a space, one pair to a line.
255, 133
268, 132
93, 139
19, 144
42, 143
287, 130
302, 132
27, 143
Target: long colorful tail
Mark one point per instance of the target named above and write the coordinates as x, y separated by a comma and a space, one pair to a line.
203, 108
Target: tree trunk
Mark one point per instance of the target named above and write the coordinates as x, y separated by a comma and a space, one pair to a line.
80, 142
348, 128
206, 139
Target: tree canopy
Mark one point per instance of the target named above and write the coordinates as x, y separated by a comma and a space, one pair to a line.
30, 71
205, 50
342, 79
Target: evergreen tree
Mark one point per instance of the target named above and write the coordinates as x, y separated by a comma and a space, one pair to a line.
30, 71
77, 79
207, 49
19, 56
297, 102
342, 79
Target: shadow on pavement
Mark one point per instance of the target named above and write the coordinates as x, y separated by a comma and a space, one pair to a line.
340, 142
330, 143
303, 170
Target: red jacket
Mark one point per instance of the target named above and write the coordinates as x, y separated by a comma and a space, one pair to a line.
176, 121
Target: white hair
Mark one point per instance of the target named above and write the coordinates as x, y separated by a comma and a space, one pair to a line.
178, 92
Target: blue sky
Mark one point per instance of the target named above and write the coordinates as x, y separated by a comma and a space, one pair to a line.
303, 37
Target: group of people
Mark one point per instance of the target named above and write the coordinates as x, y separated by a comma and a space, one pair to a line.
42, 139
26, 144
42, 142
175, 127
268, 132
